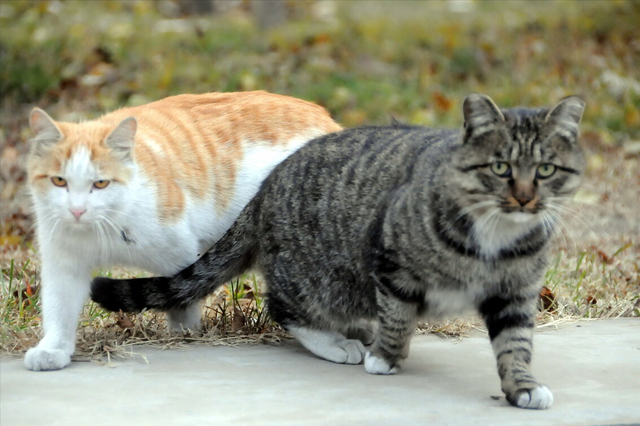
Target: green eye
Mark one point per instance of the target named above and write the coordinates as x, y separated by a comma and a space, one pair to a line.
501, 169
545, 171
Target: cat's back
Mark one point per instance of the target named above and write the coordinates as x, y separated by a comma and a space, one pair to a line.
371, 142
199, 146
383, 154
229, 117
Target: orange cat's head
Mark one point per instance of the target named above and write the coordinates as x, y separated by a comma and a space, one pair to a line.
78, 172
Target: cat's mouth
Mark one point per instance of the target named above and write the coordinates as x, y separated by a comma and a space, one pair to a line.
78, 224
519, 211
516, 209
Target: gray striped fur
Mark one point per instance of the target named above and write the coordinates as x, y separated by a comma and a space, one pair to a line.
363, 232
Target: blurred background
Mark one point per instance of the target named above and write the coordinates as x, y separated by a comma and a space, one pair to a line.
366, 61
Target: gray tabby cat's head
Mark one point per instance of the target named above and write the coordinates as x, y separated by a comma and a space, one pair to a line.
521, 162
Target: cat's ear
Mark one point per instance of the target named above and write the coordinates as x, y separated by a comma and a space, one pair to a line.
566, 115
43, 126
122, 138
46, 132
481, 114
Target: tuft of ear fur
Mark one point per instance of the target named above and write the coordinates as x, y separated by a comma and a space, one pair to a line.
566, 115
122, 138
43, 126
45, 130
481, 115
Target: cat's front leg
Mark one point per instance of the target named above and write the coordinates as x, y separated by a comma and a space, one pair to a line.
396, 323
65, 287
510, 322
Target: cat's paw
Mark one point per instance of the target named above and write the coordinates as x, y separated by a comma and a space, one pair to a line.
538, 398
376, 365
329, 345
38, 359
346, 351
354, 350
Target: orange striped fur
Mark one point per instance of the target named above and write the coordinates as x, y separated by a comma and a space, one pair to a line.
188, 145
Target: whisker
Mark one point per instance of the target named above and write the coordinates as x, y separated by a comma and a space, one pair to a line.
103, 224
481, 223
562, 224
117, 229
493, 224
121, 213
53, 228
100, 237
474, 207
559, 209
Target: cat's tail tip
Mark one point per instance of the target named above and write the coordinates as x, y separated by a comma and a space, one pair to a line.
106, 292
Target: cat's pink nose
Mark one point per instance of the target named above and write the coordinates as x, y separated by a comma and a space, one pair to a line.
77, 212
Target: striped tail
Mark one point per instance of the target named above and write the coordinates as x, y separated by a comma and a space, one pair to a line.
232, 255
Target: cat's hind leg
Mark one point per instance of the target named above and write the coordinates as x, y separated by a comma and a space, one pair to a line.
188, 318
329, 345
296, 310
185, 319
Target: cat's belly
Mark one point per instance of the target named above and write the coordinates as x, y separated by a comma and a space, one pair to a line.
164, 256
448, 303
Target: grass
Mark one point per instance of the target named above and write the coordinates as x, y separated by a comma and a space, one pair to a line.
414, 61
591, 284
232, 315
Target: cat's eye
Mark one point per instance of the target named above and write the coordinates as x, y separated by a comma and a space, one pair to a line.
58, 181
101, 184
501, 169
545, 171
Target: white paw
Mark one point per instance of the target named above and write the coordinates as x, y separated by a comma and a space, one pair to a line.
38, 359
536, 398
375, 365
354, 351
341, 351
329, 345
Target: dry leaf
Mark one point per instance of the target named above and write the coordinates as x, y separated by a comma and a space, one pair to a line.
604, 257
441, 101
26, 293
29, 289
238, 319
123, 321
548, 300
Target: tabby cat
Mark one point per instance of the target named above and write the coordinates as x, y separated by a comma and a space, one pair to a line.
150, 187
362, 232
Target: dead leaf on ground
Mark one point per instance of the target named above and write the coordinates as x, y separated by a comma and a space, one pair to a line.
238, 319
25, 294
604, 257
548, 300
123, 321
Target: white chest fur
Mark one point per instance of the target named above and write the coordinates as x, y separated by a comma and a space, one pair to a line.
501, 231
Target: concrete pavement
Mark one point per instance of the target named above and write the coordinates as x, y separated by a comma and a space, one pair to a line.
593, 369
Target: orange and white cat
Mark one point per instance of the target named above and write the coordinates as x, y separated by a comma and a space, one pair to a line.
150, 187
